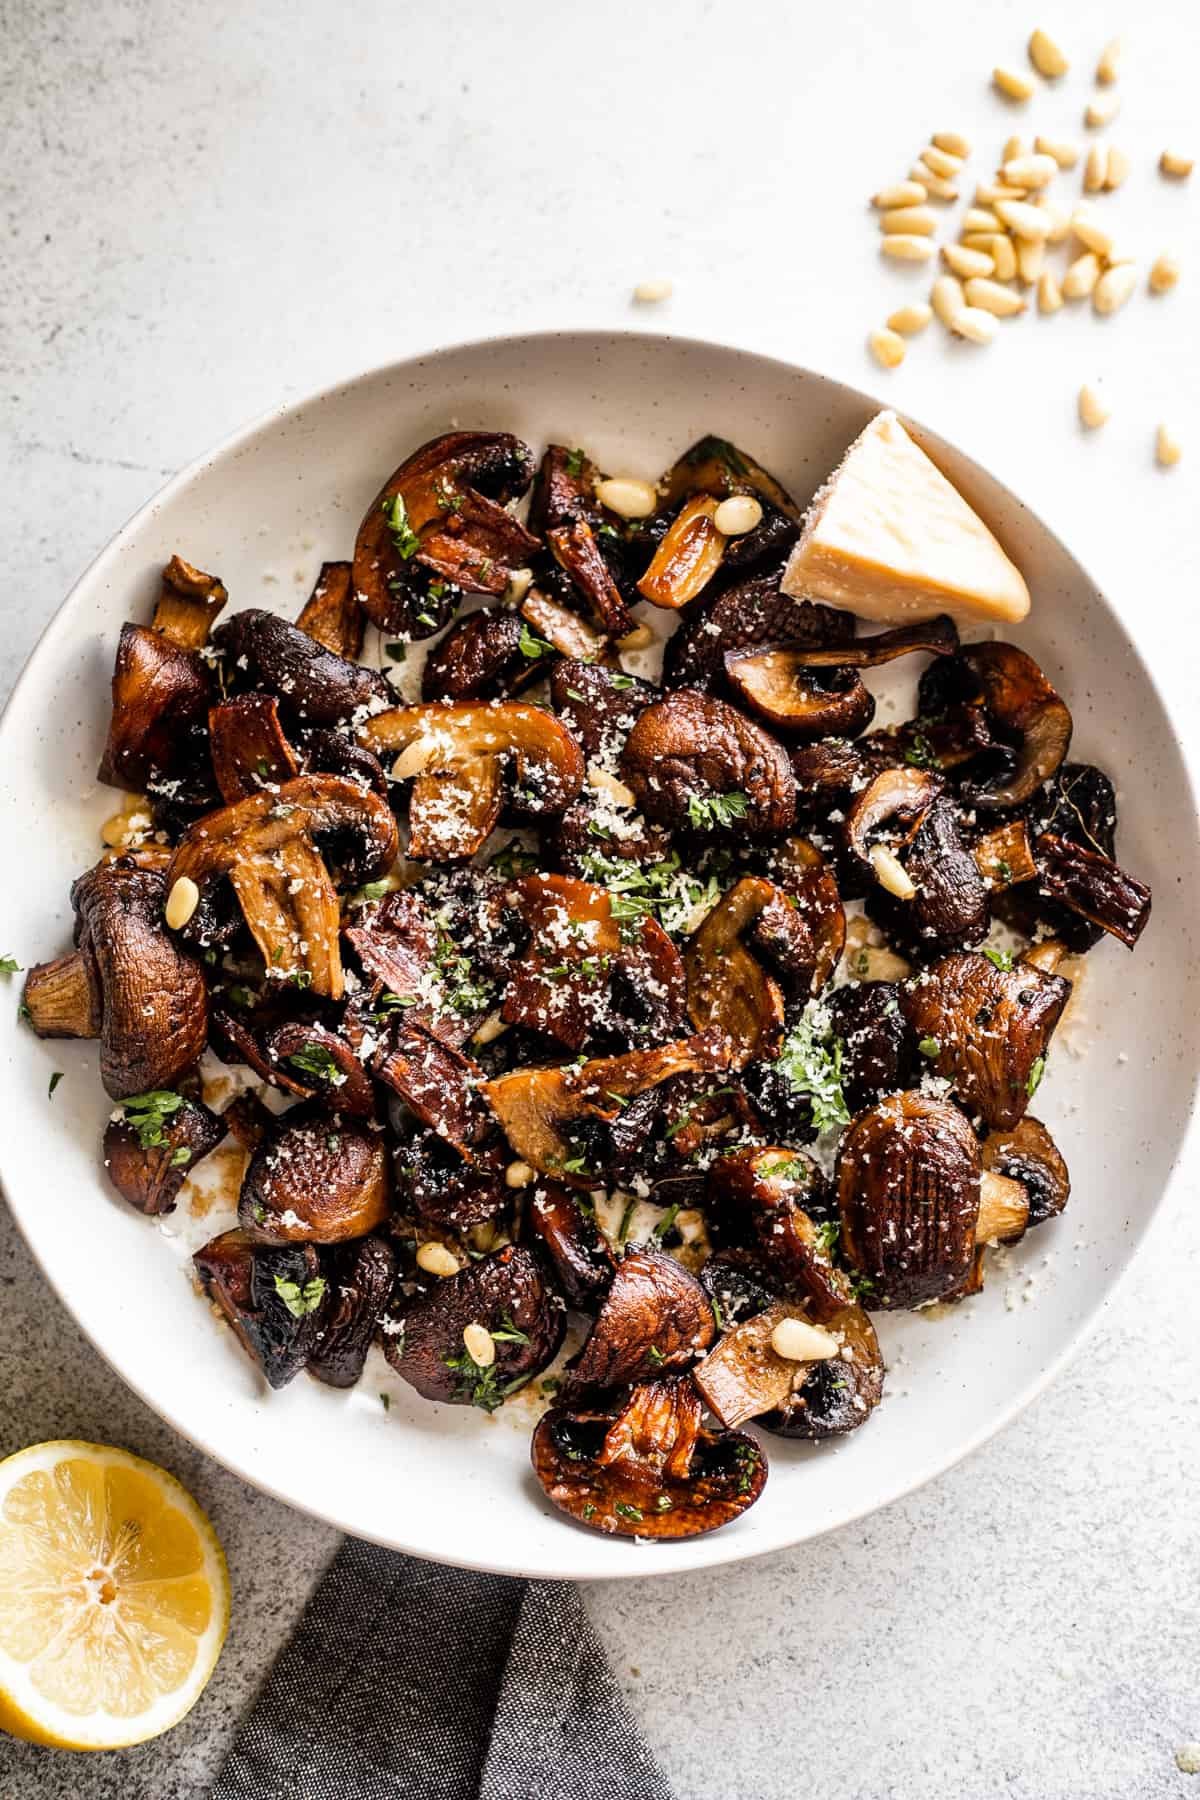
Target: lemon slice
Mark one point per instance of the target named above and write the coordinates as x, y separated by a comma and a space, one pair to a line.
114, 1597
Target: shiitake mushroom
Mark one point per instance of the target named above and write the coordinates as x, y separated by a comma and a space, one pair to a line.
360, 1277
149, 1174
275, 1298
694, 761
319, 1178
506, 1294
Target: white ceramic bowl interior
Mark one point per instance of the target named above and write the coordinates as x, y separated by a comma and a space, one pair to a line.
450, 1483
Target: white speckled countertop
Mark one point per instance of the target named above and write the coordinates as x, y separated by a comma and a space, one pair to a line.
212, 207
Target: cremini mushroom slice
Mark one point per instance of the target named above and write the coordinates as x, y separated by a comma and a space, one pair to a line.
798, 867
275, 1298
579, 1253
438, 528
311, 683
763, 1194
655, 1318
778, 684
1028, 1154
1027, 714
332, 614
839, 1393
728, 989
248, 746
645, 1466
507, 1296
360, 1275
827, 1394
566, 632
437, 1082
321, 1065
159, 693
188, 603
688, 557
151, 1149
741, 617
693, 761
1004, 857
564, 488
266, 847
577, 553
318, 1178
942, 899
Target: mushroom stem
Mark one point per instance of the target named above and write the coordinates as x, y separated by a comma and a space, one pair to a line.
1005, 857
1003, 1209
62, 998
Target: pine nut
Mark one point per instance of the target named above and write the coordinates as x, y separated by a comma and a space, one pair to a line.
1082, 276
1004, 255
1109, 66
1030, 258
1171, 162
494, 1026
435, 1259
182, 902
738, 515
1046, 56
1089, 231
976, 325
1164, 273
935, 185
1114, 288
519, 1174
1049, 294
919, 219
954, 142
993, 297
640, 638
908, 320
627, 497
1094, 410
979, 218
798, 1341
603, 782
519, 584
891, 874
477, 1341
1013, 146
1013, 85
1060, 222
941, 161
649, 293
129, 826
901, 193
1167, 447
1116, 168
1023, 219
904, 247
1063, 150
887, 347
1095, 169
1035, 171
987, 193
1118, 255
966, 262
1102, 110
947, 299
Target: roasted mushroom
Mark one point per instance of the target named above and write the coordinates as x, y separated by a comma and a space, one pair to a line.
688, 557
741, 617
479, 657
1028, 1154
645, 1467
767, 1195
601, 706
836, 1394
1027, 714
439, 1084
188, 602
249, 749
155, 1143
712, 465
311, 683
829, 1383
579, 1252
797, 867
806, 703
576, 552
360, 1277
563, 489
728, 988
444, 1190
475, 1337
275, 1300
878, 1049
1093, 887
692, 760
318, 1179
159, 692
655, 1318
942, 899
319, 1064
332, 614
561, 630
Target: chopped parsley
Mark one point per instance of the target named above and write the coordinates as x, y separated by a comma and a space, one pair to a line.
300, 1301
395, 652
9, 965
665, 1223
1035, 1077
514, 859
1004, 869
589, 1511
861, 1286
532, 646
316, 1060
787, 1168
655, 1357
661, 890
718, 811
999, 959
427, 618
686, 1116
181, 1157
148, 1114
828, 1235
811, 1059
481, 1387
575, 460
404, 539
372, 890
508, 1333
625, 1511
54, 1081
389, 1002
620, 681
929, 1046
921, 754
572, 694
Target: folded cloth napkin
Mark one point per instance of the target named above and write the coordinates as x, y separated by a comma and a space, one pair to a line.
408, 1681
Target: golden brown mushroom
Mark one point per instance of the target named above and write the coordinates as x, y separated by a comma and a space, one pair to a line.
332, 614
729, 990
188, 603
693, 761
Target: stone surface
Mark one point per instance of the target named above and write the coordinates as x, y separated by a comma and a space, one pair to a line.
211, 208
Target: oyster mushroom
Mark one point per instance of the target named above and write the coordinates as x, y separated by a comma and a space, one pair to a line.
579, 1253
439, 1084
159, 694
692, 760
765, 1195
188, 602
645, 1466
360, 1277
797, 867
508, 1298
149, 1166
712, 465
741, 617
830, 1390
805, 703
248, 746
266, 848
332, 615
319, 1178
438, 527
941, 894
986, 1027
1092, 886
1027, 713
311, 683
458, 754
1028, 1154
275, 1299
128, 982
565, 631
655, 1318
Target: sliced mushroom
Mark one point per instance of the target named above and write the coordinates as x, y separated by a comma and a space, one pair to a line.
439, 1084
797, 867
646, 1467
62, 998
837, 1394
249, 748
827, 774
712, 465
766, 1194
266, 847
1092, 886
578, 1251
1028, 1154
688, 557
655, 1318
150, 1174
1004, 857
311, 683
360, 1277
693, 760
332, 614
741, 617
813, 1396
158, 693
188, 602
908, 1193
445, 1191
1028, 714
576, 552
439, 522
565, 631
806, 704
319, 1178
507, 1296
894, 796
275, 1299
878, 1049
943, 900
419, 960
728, 988
563, 489
321, 1065
986, 1027
481, 656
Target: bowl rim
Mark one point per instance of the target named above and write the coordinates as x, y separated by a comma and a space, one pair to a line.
730, 1550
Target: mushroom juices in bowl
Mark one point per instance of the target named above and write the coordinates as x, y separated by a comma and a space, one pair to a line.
587, 972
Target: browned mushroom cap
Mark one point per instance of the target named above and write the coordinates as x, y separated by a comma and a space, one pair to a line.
837, 1395
712, 465
446, 1191
397, 944
188, 602
992, 1027
332, 614
645, 1467
443, 510
148, 1166
565, 631
656, 1317
827, 774
360, 1277
693, 760
797, 866
320, 1065
158, 692
601, 706
438, 1083
946, 902
828, 1395
688, 557
564, 488
457, 754
247, 1120
586, 974
908, 1191
508, 1296
312, 683
727, 987
265, 846
318, 1179
765, 1192
1092, 886
275, 1299
878, 1049
806, 704
578, 1250
576, 551
741, 617
249, 748
536, 1108
1027, 712
479, 657
1028, 1154
895, 796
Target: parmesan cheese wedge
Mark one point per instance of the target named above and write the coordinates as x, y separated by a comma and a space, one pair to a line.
890, 539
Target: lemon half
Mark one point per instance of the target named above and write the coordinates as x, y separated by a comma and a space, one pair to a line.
114, 1597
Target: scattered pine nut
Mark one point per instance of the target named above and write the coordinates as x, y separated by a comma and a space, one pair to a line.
1036, 171
1095, 169
1172, 163
988, 193
1046, 56
993, 297
901, 193
479, 1346
1082, 276
649, 293
1013, 85
966, 262
519, 1174
1090, 232
738, 515
1094, 410
904, 247
1004, 256
182, 902
1116, 168
1118, 255
435, 1259
519, 584
980, 218
908, 320
941, 161
1024, 219
605, 782
947, 299
1013, 146
1114, 288
954, 142
1063, 150
1167, 447
976, 325
1049, 294
1164, 273
937, 186
1102, 110
920, 219
887, 347
798, 1341
493, 1027
627, 497
1060, 222
1109, 66
1030, 258
891, 874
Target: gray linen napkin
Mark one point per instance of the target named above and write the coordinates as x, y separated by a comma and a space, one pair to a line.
408, 1681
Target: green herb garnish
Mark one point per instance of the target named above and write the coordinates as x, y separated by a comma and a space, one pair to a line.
1035, 1077
148, 1113
575, 460
404, 538
300, 1301
9, 965
54, 1081
716, 812
929, 1046
316, 1060
811, 1059
532, 646
395, 652
999, 959
626, 1511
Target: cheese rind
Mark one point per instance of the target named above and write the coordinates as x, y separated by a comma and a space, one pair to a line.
890, 539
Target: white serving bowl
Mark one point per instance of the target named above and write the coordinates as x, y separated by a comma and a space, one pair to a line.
447, 1482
